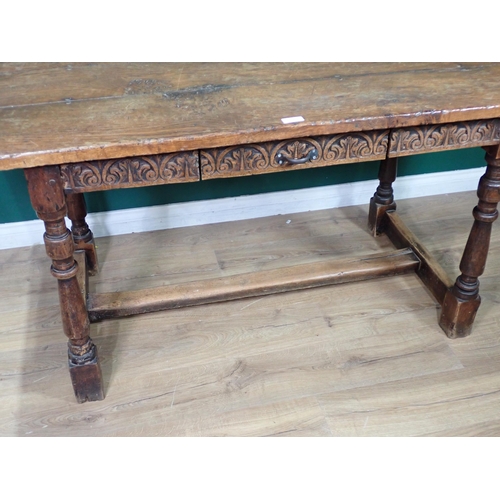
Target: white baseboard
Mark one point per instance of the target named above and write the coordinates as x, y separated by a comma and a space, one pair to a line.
137, 220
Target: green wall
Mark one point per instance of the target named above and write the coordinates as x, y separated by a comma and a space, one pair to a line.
15, 205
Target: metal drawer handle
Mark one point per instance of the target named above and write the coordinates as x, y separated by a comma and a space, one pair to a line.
312, 155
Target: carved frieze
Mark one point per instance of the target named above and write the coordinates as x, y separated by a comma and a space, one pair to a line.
423, 139
131, 172
294, 153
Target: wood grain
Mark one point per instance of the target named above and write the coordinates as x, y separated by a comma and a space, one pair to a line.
112, 305
361, 359
430, 271
63, 113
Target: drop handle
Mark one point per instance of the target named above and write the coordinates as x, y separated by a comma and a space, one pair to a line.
282, 159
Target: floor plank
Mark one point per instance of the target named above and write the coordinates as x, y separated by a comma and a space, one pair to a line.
359, 359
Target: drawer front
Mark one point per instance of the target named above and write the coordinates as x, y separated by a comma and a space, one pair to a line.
290, 154
430, 138
136, 171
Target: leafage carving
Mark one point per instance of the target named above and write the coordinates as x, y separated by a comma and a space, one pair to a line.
131, 172
423, 139
295, 153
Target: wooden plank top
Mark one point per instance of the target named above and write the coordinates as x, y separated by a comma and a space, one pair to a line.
54, 113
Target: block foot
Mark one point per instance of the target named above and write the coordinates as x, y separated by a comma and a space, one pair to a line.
86, 376
457, 315
376, 216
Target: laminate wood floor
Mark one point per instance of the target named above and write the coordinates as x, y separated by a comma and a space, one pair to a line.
361, 359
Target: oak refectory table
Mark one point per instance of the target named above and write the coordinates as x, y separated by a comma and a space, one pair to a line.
77, 128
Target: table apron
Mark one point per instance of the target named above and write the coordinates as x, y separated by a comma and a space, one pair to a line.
276, 156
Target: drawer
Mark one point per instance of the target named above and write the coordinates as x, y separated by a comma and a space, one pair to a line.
430, 138
277, 156
136, 171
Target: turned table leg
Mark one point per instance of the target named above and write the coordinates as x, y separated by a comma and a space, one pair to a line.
47, 197
462, 301
82, 235
383, 199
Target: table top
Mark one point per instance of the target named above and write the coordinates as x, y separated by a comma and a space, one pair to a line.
54, 113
